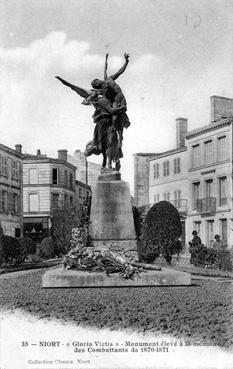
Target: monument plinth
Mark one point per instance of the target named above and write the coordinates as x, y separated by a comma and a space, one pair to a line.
111, 219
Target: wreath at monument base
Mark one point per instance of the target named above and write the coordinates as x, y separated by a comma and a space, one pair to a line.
101, 259
98, 258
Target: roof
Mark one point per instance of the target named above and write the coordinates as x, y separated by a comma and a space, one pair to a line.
146, 154
10, 151
82, 184
170, 152
210, 127
44, 159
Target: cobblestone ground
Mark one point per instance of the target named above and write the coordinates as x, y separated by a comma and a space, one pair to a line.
202, 312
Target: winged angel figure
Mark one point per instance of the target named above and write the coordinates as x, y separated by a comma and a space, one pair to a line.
109, 117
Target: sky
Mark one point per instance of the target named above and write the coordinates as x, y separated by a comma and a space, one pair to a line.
181, 53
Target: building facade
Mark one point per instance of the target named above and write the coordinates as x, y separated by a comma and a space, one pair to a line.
11, 190
82, 193
141, 178
87, 172
168, 175
196, 177
47, 182
209, 150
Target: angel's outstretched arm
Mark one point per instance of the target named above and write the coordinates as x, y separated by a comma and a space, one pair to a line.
123, 68
106, 67
79, 90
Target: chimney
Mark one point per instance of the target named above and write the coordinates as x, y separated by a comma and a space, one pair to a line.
77, 153
18, 148
220, 108
62, 155
181, 130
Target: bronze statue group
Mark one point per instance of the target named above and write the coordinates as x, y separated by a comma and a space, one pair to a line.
110, 116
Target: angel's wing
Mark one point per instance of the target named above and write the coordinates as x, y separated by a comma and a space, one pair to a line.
81, 91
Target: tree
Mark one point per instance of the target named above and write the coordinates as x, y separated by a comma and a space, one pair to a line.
160, 232
64, 219
11, 251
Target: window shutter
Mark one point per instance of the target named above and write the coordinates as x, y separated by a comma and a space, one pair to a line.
18, 204
10, 202
11, 165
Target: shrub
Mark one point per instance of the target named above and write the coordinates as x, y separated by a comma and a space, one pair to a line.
204, 256
47, 248
223, 260
160, 232
138, 216
27, 247
11, 253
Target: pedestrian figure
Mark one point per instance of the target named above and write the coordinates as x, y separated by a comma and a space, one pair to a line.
218, 244
194, 248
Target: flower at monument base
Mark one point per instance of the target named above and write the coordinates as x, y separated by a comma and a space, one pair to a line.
108, 259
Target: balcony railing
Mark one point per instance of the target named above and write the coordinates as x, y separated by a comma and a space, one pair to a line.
206, 205
180, 204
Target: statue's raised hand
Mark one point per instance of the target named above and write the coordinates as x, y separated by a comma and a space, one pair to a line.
126, 56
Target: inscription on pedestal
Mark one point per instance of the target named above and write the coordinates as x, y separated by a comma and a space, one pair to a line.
111, 212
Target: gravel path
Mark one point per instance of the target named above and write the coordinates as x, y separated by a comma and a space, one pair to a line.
202, 312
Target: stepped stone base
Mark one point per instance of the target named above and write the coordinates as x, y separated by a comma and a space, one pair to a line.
77, 278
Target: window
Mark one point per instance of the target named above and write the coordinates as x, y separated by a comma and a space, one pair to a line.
197, 227
177, 196
55, 200
166, 196
55, 176
66, 178
224, 230
15, 169
156, 170
33, 202
209, 232
66, 200
4, 201
15, 205
71, 181
195, 194
176, 165
222, 148
196, 156
4, 166
209, 188
222, 191
71, 201
33, 176
80, 193
156, 198
208, 152
166, 170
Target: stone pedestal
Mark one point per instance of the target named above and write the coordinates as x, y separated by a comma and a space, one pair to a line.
55, 278
111, 213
